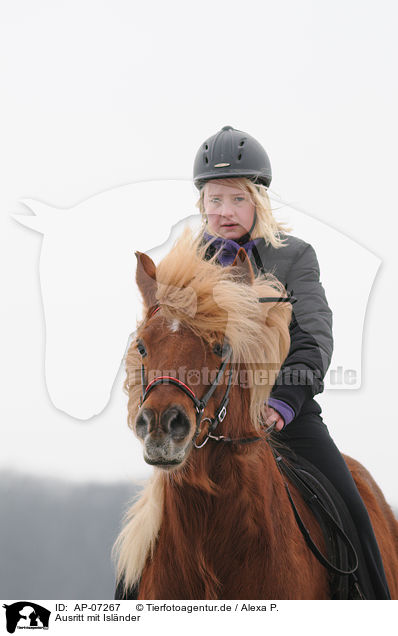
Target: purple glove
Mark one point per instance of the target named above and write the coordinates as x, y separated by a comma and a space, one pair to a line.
283, 409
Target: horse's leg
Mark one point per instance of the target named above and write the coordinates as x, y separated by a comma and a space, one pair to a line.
308, 436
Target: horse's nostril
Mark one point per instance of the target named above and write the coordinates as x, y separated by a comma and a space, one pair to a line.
176, 423
143, 422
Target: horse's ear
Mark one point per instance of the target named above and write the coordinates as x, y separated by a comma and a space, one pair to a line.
245, 270
146, 278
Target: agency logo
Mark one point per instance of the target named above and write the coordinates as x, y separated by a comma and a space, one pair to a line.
26, 615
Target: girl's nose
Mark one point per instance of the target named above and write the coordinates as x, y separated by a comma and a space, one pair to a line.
225, 209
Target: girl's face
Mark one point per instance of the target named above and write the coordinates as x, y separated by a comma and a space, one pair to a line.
229, 209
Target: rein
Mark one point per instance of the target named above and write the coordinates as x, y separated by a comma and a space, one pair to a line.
313, 501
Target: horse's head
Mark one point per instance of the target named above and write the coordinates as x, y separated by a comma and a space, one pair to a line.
201, 321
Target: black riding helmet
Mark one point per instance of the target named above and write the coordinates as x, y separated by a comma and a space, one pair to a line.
231, 153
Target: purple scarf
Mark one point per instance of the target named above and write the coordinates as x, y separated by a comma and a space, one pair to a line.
228, 248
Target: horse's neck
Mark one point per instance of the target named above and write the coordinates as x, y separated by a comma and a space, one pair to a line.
236, 481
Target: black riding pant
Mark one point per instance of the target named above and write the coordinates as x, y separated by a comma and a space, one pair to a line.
308, 436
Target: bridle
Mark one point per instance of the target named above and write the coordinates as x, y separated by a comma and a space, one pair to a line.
201, 403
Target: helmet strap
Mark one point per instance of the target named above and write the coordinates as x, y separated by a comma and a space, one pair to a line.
254, 221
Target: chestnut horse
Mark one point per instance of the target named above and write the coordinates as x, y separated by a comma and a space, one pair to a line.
215, 521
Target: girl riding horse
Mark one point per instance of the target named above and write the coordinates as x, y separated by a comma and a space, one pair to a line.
232, 172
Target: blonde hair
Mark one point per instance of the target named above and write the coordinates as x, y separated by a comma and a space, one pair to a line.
266, 225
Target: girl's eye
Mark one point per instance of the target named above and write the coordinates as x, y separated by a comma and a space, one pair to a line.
239, 199
141, 349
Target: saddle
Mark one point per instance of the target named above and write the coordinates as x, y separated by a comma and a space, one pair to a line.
344, 560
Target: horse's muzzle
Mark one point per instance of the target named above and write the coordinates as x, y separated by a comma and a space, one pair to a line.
165, 435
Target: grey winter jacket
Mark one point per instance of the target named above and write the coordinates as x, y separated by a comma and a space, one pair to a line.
304, 369
302, 373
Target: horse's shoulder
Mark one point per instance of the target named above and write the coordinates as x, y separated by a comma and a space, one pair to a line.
366, 484
358, 471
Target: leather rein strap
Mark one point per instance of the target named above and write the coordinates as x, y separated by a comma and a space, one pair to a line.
311, 497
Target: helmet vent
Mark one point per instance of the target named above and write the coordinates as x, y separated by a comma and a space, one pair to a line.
206, 160
239, 156
241, 143
206, 147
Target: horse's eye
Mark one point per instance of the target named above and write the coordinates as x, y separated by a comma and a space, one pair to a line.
141, 349
221, 350
218, 349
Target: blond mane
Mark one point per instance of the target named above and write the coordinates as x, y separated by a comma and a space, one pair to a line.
214, 301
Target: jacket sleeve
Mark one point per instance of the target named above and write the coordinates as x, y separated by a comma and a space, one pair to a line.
302, 373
